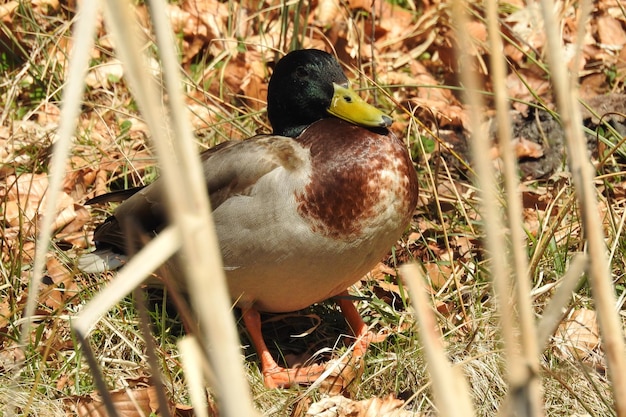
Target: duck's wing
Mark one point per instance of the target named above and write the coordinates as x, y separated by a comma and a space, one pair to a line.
235, 170
230, 169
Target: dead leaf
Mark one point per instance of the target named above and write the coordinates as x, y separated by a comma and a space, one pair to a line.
579, 337
535, 198
465, 246
25, 195
422, 91
478, 33
438, 274
525, 148
393, 23
345, 373
253, 85
413, 237
10, 356
532, 220
80, 219
6, 312
6, 11
611, 33
593, 85
327, 11
62, 286
203, 116
520, 84
128, 402
527, 24
45, 7
203, 22
381, 271
339, 406
390, 293
48, 114
105, 74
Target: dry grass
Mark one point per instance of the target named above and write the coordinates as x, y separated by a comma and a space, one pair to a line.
111, 151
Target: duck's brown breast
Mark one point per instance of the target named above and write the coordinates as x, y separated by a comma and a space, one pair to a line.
360, 178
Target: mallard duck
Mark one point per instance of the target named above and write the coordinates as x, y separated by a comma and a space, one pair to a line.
301, 214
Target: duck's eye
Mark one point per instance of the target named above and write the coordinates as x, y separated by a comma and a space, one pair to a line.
301, 72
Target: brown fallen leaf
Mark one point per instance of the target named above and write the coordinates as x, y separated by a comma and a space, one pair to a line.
129, 403
45, 7
477, 31
527, 24
77, 224
579, 338
25, 196
206, 21
381, 271
134, 402
105, 74
519, 85
345, 374
532, 220
11, 355
611, 32
48, 114
339, 406
327, 12
62, 286
525, 148
465, 246
535, 199
392, 22
253, 84
7, 10
438, 274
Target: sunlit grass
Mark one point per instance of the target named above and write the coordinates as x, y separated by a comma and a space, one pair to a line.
445, 236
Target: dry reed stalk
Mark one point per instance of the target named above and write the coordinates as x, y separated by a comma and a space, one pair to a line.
450, 387
566, 89
187, 203
527, 339
191, 355
556, 309
72, 100
508, 261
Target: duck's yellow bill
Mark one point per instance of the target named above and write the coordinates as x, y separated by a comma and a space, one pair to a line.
349, 106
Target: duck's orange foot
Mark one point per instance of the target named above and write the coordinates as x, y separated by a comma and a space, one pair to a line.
279, 377
337, 374
340, 373
334, 377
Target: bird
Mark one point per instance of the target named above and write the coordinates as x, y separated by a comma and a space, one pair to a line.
301, 214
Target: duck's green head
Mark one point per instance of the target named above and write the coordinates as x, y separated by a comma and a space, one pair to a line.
308, 85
